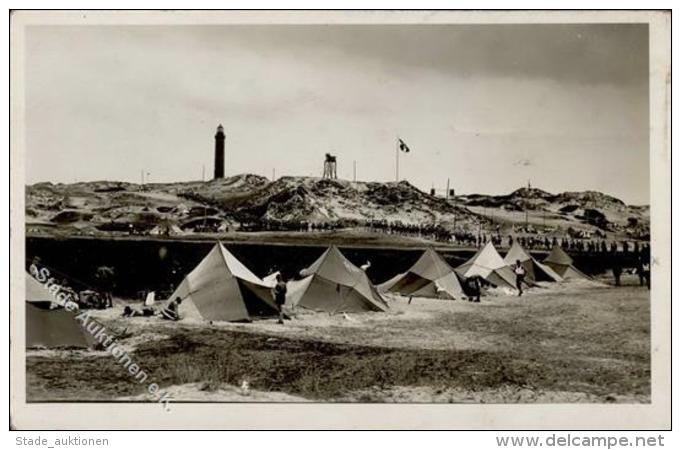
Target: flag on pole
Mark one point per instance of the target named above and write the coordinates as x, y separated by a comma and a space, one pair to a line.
403, 146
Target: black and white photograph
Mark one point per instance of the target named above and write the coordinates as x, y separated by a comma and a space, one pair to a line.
327, 208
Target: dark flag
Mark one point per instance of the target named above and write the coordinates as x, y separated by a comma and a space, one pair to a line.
403, 146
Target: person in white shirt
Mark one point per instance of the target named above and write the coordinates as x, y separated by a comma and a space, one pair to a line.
520, 272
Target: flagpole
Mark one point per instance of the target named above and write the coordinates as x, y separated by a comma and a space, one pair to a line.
397, 160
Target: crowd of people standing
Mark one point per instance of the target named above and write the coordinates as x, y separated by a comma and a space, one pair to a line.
440, 233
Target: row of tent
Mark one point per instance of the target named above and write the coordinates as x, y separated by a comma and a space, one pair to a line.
221, 288
431, 276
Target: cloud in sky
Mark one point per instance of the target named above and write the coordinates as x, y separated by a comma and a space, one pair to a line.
472, 101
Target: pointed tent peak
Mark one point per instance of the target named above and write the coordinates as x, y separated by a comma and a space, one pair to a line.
334, 249
430, 251
558, 256
487, 257
333, 255
430, 254
327, 251
433, 255
333, 265
216, 252
314, 267
235, 267
516, 253
431, 265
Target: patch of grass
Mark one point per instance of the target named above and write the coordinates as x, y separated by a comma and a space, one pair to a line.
555, 342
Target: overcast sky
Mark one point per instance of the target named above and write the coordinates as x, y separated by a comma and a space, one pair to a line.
488, 106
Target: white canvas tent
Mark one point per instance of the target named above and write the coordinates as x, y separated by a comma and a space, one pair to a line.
166, 228
430, 276
490, 266
221, 288
562, 264
333, 284
535, 271
49, 327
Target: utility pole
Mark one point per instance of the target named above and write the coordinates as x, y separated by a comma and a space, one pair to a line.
447, 191
354, 170
454, 197
397, 160
203, 173
480, 219
529, 186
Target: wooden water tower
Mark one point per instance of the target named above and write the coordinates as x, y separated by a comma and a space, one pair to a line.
330, 167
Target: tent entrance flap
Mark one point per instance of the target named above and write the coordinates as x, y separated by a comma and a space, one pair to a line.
325, 295
257, 299
409, 284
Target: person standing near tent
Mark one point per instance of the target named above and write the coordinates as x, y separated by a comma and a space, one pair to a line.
520, 272
473, 287
645, 268
105, 282
279, 294
639, 271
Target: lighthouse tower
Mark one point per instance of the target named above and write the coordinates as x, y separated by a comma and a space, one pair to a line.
219, 153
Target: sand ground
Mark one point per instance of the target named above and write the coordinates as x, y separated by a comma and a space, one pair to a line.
574, 342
